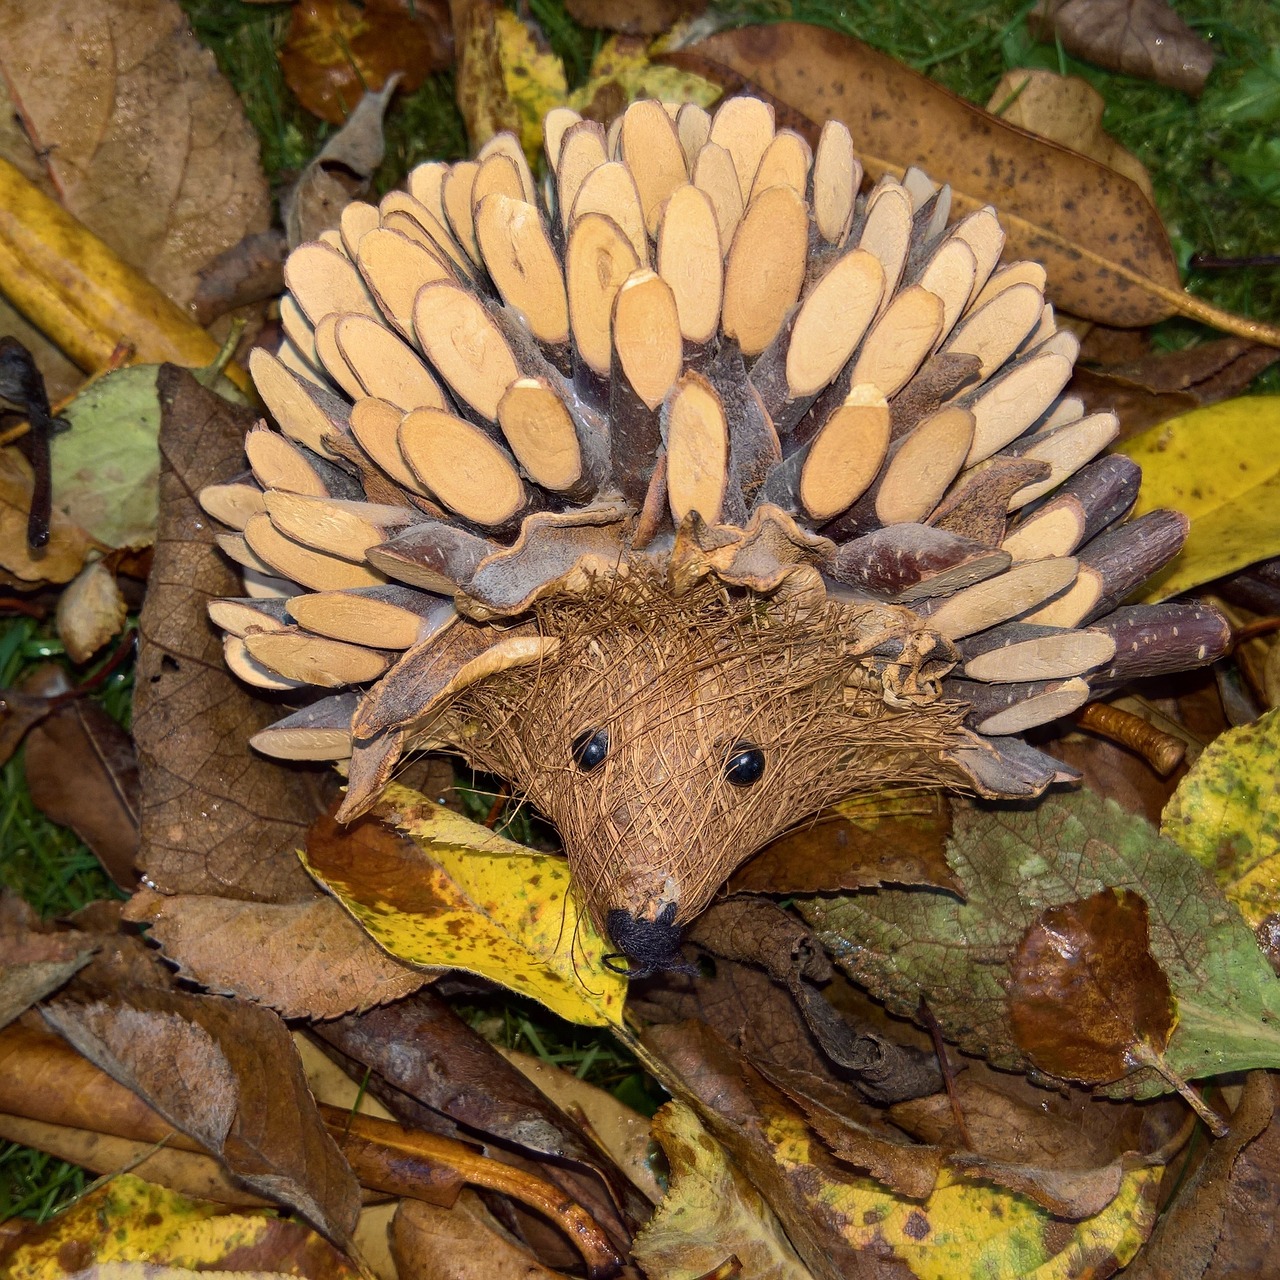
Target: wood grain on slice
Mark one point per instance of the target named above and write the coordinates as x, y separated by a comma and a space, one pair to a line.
598, 261
611, 190
462, 467
785, 163
315, 660
376, 426
581, 152
331, 356
837, 175
278, 463
832, 320
459, 336
697, 440
522, 264
1006, 277
1066, 449
899, 341
996, 600
556, 124
1005, 407
948, 274
385, 366
507, 144
425, 184
387, 617
886, 231
236, 548
456, 194
396, 268
1096, 496
245, 667
240, 616
540, 431
333, 238
743, 126
1003, 709
689, 260
982, 232
646, 335
713, 173
309, 568
996, 329
232, 504
1020, 651
845, 455
650, 148
497, 175
906, 562
334, 525
765, 268
435, 556
322, 280
305, 412
357, 218
319, 731
923, 465
693, 127
298, 329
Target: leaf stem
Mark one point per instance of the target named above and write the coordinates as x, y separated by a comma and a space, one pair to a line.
1143, 1054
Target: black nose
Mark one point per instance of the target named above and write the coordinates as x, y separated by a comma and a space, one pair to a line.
648, 946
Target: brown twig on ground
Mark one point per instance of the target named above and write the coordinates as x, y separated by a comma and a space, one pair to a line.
1162, 751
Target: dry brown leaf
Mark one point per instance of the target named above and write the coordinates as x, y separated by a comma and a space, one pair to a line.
59, 560
1138, 37
91, 612
633, 17
483, 99
34, 960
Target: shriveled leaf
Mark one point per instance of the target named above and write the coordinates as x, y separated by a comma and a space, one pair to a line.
303, 959
1143, 38
34, 961
1013, 865
710, 1212
632, 18
60, 559
622, 71
449, 893
91, 612
216, 818
129, 1220
1226, 814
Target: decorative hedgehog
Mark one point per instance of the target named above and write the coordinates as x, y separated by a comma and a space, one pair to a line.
691, 497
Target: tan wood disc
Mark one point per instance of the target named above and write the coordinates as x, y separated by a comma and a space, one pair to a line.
520, 260
304, 412
278, 463
540, 431
396, 268
1049, 657
928, 460
693, 126
1070, 696
743, 126
1005, 277
239, 616
886, 232
241, 664
425, 184
832, 321
497, 175
331, 356
1066, 449
1005, 408
336, 526
949, 275
236, 548
318, 731
845, 455
982, 232
899, 341
390, 617
611, 190
713, 172
651, 150
581, 151
689, 261
646, 335
307, 567
1046, 533
357, 218
1073, 605
332, 237
315, 660
295, 362
765, 268
298, 329
322, 280
599, 259
398, 208
386, 367
458, 184
995, 330
1008, 595
557, 122
785, 163
232, 504
507, 144
837, 174
697, 450
376, 427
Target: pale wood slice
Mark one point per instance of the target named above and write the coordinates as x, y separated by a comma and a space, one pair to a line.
558, 122
236, 548
1055, 531
308, 568
610, 189
996, 600
1066, 449
693, 125
646, 335
919, 186
837, 175
463, 467
697, 439
357, 218
320, 731
1063, 410
982, 232
1005, 407
240, 616
458, 184
278, 463
599, 259
650, 148
845, 455
743, 126
995, 330
923, 466
376, 426
507, 144
396, 268
1045, 328
899, 341
689, 261
315, 660
906, 562
1156, 639
296, 362
333, 238
540, 431
390, 617
1096, 496
331, 356
385, 366
322, 280
305, 413
518, 255
1064, 343
1007, 709
831, 322
785, 163
765, 268
299, 330
232, 504
245, 667
582, 151
435, 556
333, 525
713, 172
398, 206
497, 175
425, 184
948, 274
886, 231
267, 586
464, 345
1002, 278
1021, 651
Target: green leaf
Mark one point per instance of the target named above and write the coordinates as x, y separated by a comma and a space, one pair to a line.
1226, 814
106, 469
1014, 864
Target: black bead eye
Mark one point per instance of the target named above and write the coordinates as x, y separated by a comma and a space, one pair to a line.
745, 764
590, 748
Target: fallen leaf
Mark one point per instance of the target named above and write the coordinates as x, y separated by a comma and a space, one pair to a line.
250, 271
1066, 110
633, 17
623, 71
336, 50
711, 1212
1013, 865
1226, 814
480, 28
1144, 38
60, 559
34, 961
449, 893
216, 818
91, 612
1231, 496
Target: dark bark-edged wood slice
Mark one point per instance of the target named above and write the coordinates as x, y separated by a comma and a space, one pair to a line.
845, 456
309, 568
650, 148
396, 268
599, 259
765, 268
688, 257
937, 382
899, 341
306, 413
696, 435
714, 174
1066, 449
232, 504
1005, 768
335, 526
386, 367
240, 616
611, 190
540, 430
320, 731
328, 664
1020, 651
754, 449
389, 617
1156, 639
977, 505
435, 556
743, 126
322, 280
1097, 495
906, 562
1001, 709
837, 175
995, 600
785, 163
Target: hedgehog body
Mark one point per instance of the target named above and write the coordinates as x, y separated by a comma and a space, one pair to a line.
691, 499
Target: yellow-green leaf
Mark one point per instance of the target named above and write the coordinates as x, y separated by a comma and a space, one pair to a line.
1221, 466
1226, 814
622, 72
452, 894
533, 78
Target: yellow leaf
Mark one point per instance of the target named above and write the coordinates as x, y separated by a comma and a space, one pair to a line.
622, 72
456, 895
534, 79
1221, 466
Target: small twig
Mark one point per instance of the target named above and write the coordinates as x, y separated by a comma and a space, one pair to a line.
120, 357
1146, 1056
1162, 751
499, 804
1211, 262
11, 604
1251, 631
925, 1014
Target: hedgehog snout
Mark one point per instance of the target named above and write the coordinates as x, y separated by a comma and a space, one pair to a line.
646, 945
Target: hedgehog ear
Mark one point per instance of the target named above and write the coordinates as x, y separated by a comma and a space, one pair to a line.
409, 699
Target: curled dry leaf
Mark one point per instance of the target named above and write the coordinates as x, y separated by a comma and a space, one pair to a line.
61, 557
90, 612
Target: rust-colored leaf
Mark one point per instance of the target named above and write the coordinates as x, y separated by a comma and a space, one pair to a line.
633, 17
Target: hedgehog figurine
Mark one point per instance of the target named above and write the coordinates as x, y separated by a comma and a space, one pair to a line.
690, 495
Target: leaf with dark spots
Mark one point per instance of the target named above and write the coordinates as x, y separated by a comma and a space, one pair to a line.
215, 817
